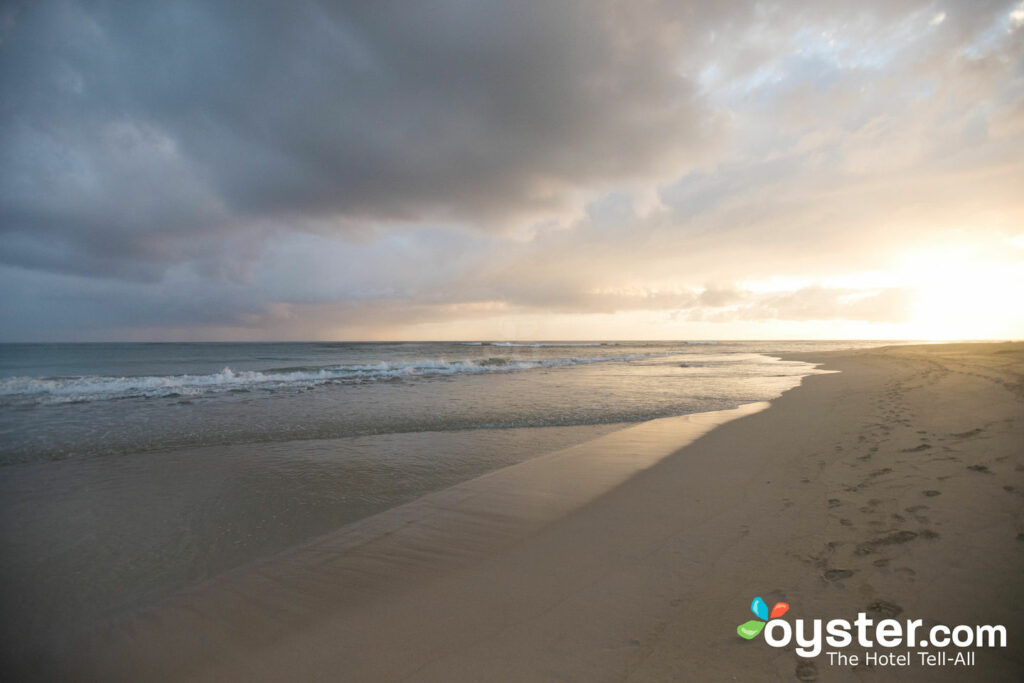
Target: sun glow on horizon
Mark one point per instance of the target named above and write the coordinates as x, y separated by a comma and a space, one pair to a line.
955, 290
959, 293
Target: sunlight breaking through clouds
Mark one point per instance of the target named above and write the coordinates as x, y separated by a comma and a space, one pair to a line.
324, 170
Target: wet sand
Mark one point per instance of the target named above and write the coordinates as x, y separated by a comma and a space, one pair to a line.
895, 486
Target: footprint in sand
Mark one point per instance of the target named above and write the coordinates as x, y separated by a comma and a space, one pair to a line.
838, 574
931, 493
884, 609
834, 502
916, 449
806, 670
897, 537
968, 433
884, 562
906, 573
980, 468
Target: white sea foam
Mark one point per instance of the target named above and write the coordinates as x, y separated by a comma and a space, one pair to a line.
90, 388
538, 345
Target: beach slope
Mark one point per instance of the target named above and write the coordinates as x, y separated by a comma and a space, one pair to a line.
894, 486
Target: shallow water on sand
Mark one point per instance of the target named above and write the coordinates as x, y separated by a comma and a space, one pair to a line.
130, 471
92, 400
90, 539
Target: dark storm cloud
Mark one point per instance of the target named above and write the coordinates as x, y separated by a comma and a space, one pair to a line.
294, 170
137, 133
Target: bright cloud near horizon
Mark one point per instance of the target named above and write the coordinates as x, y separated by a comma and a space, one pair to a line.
531, 170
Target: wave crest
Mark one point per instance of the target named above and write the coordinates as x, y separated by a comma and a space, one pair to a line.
91, 388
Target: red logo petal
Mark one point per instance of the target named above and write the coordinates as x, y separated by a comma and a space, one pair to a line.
779, 609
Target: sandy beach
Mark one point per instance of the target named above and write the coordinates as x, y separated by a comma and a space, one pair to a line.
522, 342
893, 485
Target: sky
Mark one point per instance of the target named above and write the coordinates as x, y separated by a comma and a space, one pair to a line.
531, 170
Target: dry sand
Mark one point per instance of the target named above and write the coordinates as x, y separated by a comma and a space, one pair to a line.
895, 486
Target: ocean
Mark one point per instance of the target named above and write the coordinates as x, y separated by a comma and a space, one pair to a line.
131, 471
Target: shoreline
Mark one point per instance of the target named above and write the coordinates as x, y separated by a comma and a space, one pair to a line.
648, 580
389, 552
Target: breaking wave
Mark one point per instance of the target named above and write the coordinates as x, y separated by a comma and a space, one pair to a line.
540, 345
92, 388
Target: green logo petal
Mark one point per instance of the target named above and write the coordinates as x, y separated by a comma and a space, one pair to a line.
750, 629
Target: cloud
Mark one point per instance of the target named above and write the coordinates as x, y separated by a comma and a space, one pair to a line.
265, 170
132, 131
821, 303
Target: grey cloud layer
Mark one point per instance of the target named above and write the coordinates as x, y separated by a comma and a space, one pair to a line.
247, 164
132, 131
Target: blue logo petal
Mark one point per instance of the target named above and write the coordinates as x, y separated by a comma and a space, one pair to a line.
759, 608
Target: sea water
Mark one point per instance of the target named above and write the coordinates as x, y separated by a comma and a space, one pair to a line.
130, 471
